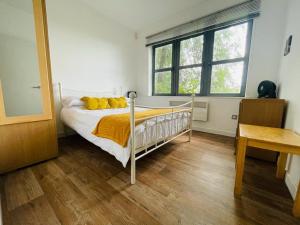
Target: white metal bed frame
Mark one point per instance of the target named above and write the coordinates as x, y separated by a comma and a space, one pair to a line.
138, 153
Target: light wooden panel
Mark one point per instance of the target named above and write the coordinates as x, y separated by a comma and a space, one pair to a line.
263, 112
240, 162
281, 165
31, 139
27, 143
270, 134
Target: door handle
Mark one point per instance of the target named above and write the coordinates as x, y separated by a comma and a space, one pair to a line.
36, 87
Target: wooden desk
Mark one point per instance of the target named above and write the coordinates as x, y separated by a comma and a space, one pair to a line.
273, 139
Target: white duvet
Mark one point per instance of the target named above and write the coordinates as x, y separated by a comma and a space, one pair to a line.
84, 122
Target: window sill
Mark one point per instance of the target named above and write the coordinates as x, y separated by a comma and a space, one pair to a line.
197, 97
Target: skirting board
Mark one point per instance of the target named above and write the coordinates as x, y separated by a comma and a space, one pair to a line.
213, 131
291, 186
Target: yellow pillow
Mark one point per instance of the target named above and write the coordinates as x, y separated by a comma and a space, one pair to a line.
117, 102
113, 103
122, 102
84, 99
103, 103
91, 103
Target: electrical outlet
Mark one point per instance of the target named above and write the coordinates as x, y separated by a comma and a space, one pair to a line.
234, 117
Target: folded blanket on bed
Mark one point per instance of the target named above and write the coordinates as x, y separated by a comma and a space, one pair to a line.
117, 127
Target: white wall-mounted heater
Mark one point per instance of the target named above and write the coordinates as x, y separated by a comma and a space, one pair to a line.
200, 109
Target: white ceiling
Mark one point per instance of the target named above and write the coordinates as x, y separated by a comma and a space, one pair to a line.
138, 14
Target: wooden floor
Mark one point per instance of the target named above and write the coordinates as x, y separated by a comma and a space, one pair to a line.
183, 183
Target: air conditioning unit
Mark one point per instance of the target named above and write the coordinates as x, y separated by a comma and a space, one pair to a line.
200, 109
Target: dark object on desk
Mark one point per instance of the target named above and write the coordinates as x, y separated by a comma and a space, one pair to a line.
262, 112
266, 89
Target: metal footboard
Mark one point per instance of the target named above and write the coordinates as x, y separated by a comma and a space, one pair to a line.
139, 152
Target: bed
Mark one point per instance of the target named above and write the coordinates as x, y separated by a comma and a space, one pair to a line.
154, 132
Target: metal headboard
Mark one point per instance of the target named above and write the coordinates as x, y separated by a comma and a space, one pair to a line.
79, 93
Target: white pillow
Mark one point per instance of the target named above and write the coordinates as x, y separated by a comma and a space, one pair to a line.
70, 101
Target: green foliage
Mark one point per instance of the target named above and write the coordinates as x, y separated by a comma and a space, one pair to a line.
229, 43
189, 86
221, 45
191, 51
163, 57
222, 81
189, 80
163, 83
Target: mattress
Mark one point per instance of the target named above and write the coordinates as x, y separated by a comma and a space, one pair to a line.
84, 122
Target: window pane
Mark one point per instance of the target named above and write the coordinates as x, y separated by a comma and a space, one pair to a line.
191, 51
163, 57
230, 43
227, 78
189, 80
163, 83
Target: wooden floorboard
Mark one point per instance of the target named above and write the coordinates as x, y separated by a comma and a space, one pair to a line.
182, 183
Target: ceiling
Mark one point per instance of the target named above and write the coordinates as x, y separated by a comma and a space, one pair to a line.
138, 14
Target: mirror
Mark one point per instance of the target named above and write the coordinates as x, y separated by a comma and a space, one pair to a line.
19, 65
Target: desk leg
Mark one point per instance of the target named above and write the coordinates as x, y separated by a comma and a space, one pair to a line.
281, 164
296, 209
240, 163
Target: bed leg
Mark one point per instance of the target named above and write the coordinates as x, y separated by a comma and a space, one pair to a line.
191, 118
190, 135
132, 97
132, 171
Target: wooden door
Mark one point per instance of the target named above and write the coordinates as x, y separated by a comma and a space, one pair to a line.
27, 120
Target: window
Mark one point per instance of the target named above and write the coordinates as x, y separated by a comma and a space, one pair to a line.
163, 70
213, 63
190, 65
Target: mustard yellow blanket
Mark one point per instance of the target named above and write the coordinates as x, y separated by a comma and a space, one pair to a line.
117, 127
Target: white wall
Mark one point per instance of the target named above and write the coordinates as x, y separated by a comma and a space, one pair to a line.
289, 80
265, 55
89, 51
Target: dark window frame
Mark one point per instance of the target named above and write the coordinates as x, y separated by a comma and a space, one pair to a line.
207, 63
